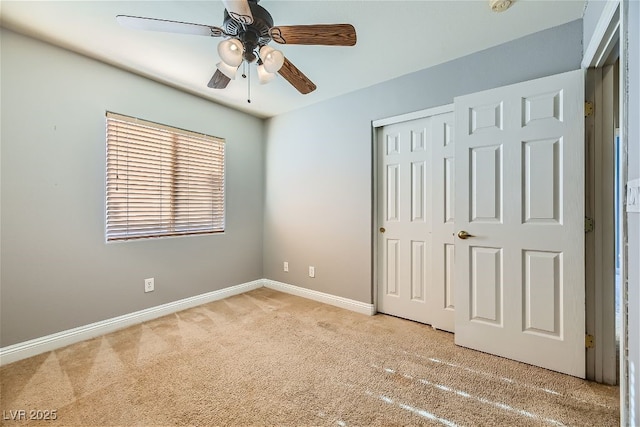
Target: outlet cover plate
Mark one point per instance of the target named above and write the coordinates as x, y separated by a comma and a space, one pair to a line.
149, 285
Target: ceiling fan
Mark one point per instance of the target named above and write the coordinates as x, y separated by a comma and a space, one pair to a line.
247, 31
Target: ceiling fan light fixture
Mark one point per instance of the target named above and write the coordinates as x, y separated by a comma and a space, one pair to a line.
246, 30
230, 52
227, 69
264, 76
272, 59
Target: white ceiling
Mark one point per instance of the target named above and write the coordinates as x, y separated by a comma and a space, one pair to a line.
395, 37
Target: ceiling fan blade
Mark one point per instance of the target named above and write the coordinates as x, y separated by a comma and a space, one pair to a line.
153, 24
296, 78
239, 10
329, 35
218, 81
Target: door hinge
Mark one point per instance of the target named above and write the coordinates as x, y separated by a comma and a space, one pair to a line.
588, 108
588, 224
589, 341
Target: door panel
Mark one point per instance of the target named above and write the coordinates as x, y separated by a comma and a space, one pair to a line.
449, 206
520, 194
392, 267
418, 270
542, 290
403, 198
486, 285
416, 207
442, 273
419, 191
486, 184
392, 178
541, 181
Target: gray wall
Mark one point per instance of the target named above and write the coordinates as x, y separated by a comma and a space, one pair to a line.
593, 10
318, 203
57, 272
633, 37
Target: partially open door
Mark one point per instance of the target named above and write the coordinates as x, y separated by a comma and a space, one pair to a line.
519, 206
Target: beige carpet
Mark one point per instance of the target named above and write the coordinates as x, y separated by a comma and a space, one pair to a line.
267, 358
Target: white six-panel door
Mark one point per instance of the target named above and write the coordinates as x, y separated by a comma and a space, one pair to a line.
415, 217
404, 220
520, 192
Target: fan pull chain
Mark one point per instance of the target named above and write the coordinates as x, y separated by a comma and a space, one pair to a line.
247, 72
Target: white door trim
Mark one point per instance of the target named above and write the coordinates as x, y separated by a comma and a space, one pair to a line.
420, 114
608, 33
604, 36
376, 125
600, 250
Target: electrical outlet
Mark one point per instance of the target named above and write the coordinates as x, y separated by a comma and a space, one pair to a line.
285, 266
312, 271
148, 285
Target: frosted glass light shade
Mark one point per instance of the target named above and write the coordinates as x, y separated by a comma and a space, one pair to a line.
271, 58
264, 76
230, 52
227, 70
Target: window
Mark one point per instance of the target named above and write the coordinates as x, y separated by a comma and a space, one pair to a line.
162, 181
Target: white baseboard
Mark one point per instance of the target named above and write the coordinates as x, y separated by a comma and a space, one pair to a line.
51, 342
30, 348
348, 304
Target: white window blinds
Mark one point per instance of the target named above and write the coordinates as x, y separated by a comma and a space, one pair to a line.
162, 181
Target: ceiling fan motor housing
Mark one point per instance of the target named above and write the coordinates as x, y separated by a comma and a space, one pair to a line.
254, 35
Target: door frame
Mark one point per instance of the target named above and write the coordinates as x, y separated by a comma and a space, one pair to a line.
599, 243
608, 35
376, 128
